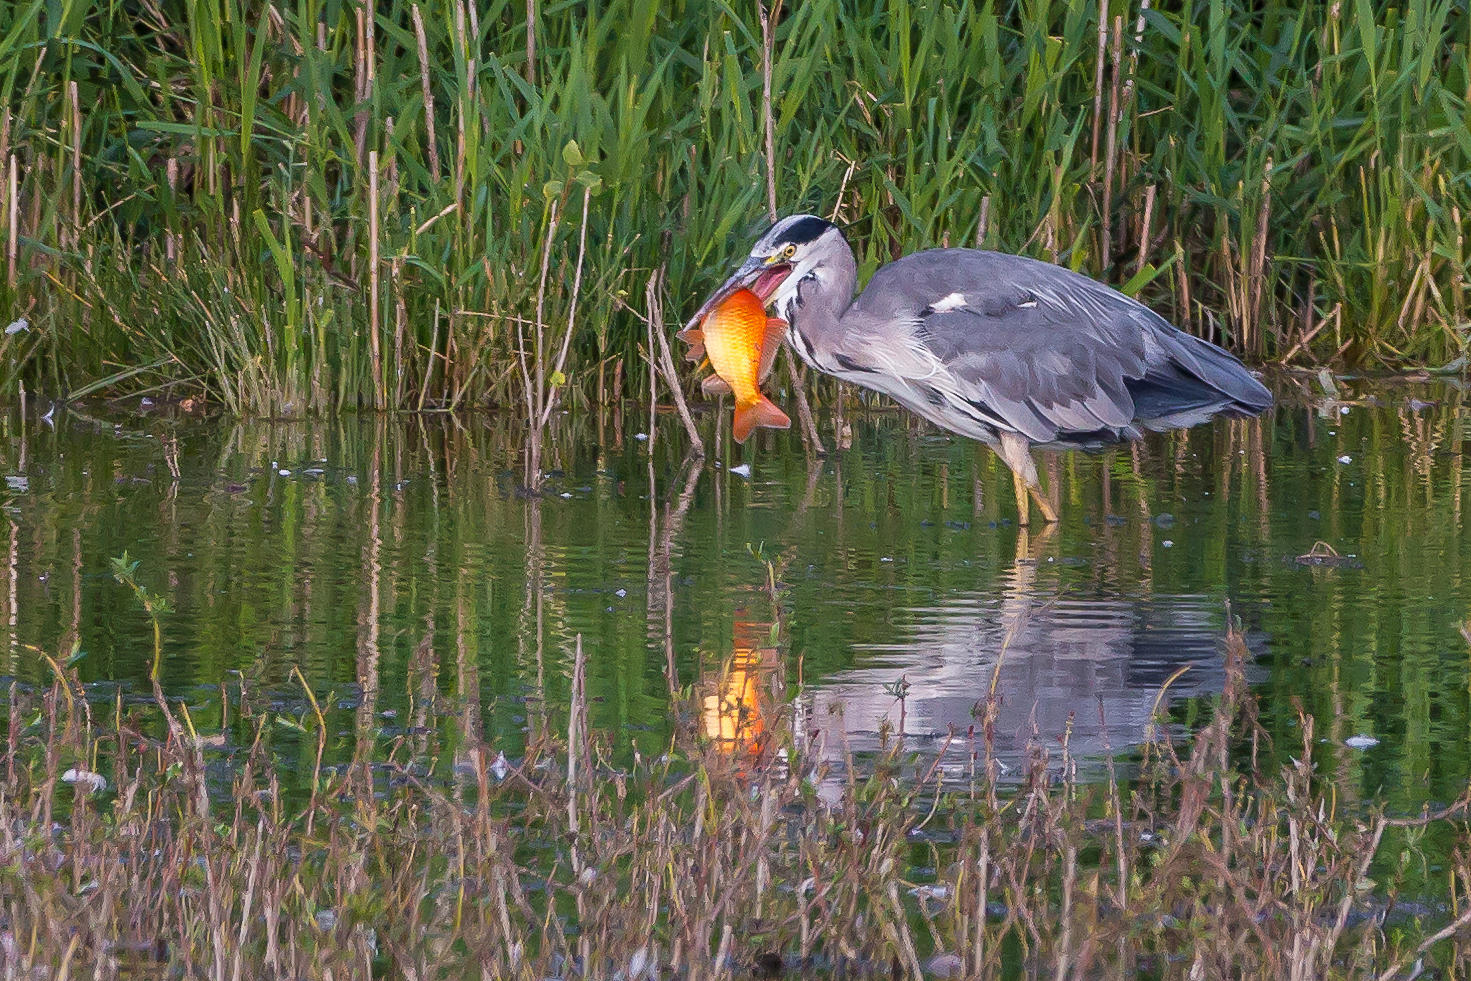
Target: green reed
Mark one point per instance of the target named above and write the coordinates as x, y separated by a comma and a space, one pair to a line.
302, 206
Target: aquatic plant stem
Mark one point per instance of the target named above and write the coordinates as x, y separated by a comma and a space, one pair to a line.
666, 361
557, 371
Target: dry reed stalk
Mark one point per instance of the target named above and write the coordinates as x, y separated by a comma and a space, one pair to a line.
461, 146
367, 66
1458, 280
400, 331
1259, 262
380, 397
653, 385
76, 141
171, 238
1109, 160
535, 387
546, 409
1098, 83
531, 42
1144, 247
1134, 54
768, 43
655, 316
428, 90
1187, 318
810, 436
13, 231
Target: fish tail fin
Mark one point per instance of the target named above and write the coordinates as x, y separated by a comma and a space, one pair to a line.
762, 412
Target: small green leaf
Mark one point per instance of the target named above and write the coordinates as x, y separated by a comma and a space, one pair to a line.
551, 189
558, 379
572, 154
76, 655
590, 180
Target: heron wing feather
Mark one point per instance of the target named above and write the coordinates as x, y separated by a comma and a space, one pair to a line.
1046, 350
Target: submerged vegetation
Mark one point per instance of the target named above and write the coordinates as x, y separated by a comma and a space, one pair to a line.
131, 848
300, 206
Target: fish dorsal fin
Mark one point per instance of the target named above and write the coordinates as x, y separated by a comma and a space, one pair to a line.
776, 332
715, 385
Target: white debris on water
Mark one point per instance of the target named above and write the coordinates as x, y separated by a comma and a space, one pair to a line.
1360, 742
741, 470
85, 780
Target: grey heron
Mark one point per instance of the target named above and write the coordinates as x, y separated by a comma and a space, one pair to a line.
1012, 351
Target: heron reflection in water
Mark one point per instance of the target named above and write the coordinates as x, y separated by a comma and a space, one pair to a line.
1091, 669
1008, 350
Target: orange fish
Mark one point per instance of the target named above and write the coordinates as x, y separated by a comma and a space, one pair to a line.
741, 343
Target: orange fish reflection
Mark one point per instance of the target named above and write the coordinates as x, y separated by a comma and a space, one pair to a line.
737, 697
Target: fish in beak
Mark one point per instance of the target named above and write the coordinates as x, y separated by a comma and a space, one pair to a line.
740, 341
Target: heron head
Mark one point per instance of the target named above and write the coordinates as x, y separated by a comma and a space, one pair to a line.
794, 249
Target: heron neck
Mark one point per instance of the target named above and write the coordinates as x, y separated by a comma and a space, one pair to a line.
827, 298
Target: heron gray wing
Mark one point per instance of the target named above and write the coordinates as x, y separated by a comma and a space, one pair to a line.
1035, 348
1042, 378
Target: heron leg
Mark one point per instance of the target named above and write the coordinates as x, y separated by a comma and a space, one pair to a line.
1049, 514
1019, 487
1016, 453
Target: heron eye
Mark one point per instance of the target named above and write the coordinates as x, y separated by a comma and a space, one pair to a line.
789, 251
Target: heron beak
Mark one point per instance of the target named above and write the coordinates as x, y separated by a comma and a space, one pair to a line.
755, 274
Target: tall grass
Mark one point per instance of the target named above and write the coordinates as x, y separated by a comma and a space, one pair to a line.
302, 206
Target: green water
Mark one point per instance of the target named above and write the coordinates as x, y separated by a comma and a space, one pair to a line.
421, 592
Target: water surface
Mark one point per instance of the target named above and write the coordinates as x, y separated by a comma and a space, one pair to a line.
401, 565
